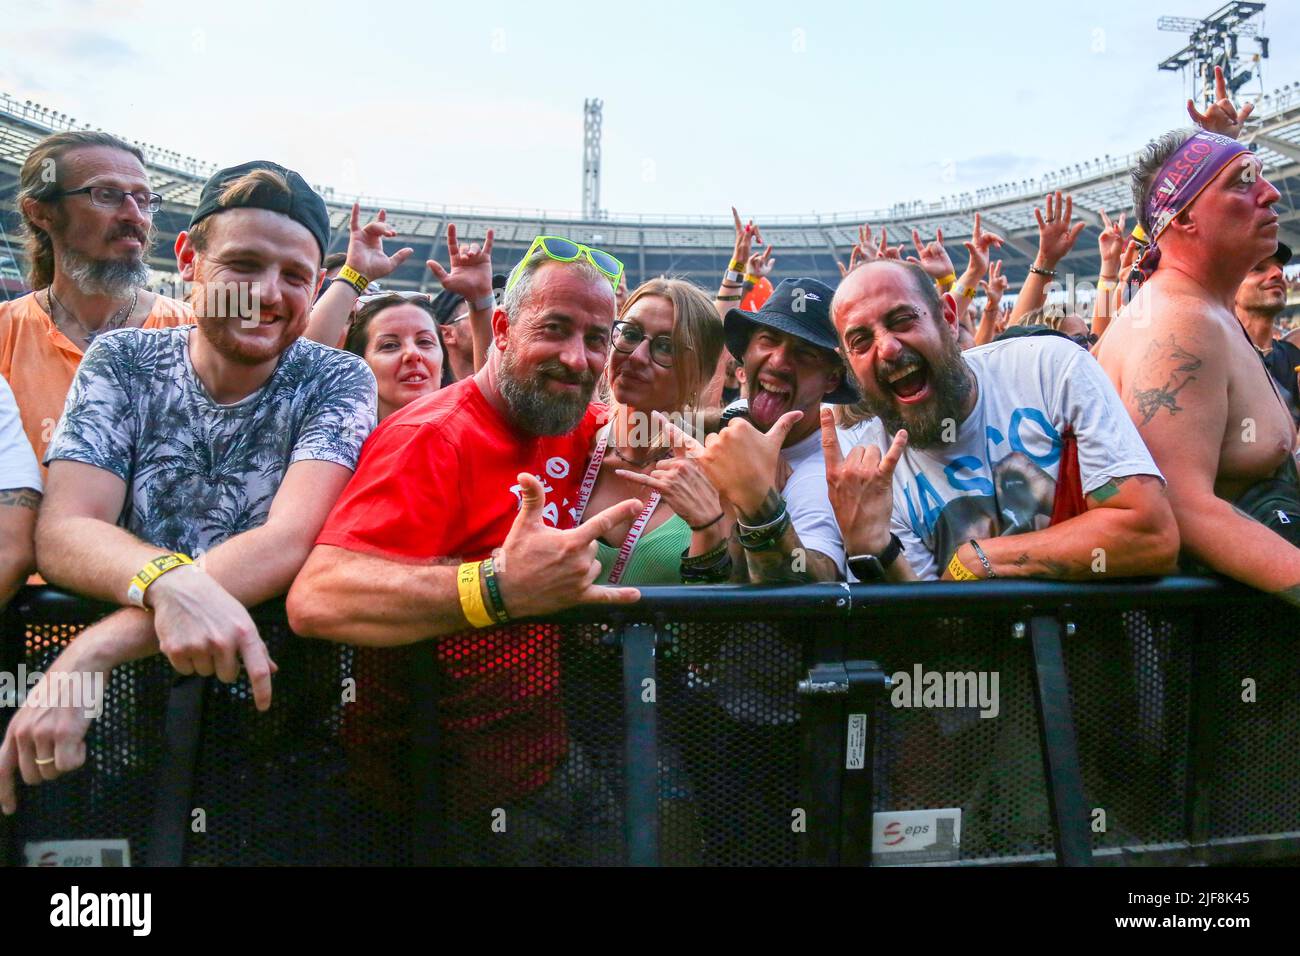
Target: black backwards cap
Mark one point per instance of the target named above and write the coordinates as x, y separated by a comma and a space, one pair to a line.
302, 205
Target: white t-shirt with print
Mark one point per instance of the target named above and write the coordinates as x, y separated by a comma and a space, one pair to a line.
18, 467
999, 476
807, 500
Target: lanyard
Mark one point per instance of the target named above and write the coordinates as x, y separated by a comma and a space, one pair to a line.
638, 526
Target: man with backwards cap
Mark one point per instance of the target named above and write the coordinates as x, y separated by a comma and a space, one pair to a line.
194, 466
1260, 300
1189, 374
788, 350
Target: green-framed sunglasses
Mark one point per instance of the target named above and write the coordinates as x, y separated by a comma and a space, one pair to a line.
566, 250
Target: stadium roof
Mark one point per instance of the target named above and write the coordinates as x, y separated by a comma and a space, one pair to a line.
699, 246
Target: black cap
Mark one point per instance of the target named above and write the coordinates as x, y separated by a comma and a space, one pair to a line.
445, 304
302, 205
802, 308
1283, 254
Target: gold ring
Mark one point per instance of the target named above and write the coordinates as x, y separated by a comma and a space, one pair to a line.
43, 763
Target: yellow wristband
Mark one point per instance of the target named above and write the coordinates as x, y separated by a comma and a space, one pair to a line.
354, 278
945, 282
1105, 285
753, 280
959, 571
151, 572
471, 595
967, 293
736, 266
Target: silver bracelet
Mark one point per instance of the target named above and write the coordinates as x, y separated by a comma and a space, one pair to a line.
487, 302
984, 559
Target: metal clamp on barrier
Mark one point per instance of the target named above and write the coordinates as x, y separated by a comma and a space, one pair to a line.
844, 677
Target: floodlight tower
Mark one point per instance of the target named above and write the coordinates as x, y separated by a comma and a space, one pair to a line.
1213, 42
591, 159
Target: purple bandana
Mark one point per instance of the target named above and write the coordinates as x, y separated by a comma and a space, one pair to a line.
1187, 171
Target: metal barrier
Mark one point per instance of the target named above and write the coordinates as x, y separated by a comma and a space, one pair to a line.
1147, 722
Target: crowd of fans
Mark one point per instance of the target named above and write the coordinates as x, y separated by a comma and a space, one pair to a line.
407, 467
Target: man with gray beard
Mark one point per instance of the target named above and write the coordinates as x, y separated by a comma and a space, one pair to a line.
461, 516
1013, 459
87, 211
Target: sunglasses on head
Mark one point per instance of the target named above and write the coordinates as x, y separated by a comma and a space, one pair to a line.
566, 250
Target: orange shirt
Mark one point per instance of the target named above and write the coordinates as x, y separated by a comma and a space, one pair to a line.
39, 361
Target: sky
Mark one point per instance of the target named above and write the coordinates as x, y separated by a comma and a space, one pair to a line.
773, 107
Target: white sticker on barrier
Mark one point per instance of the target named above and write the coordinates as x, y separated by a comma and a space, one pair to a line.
916, 836
855, 748
78, 853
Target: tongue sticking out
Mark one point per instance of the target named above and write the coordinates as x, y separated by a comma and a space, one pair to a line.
910, 384
766, 407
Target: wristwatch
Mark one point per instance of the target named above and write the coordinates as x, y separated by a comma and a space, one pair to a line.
872, 567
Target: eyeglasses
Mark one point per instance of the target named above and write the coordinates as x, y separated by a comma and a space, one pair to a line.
566, 250
362, 300
112, 198
627, 337
1083, 340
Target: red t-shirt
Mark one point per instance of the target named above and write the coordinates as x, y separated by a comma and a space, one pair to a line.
437, 481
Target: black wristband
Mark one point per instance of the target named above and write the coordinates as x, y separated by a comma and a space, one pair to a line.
498, 608
707, 525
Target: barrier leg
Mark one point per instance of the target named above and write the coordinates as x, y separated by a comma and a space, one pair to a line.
1060, 745
641, 745
427, 812
171, 815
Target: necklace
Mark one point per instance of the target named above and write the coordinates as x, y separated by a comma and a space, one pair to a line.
116, 322
613, 450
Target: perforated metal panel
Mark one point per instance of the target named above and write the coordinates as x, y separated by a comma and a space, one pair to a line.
1188, 726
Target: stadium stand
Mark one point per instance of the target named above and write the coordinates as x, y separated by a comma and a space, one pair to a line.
697, 247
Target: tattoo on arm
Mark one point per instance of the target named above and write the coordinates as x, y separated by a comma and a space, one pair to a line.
767, 511
1109, 490
1170, 365
20, 498
789, 561
1049, 569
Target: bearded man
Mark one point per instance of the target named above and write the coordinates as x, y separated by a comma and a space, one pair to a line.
462, 516
87, 211
194, 466
980, 452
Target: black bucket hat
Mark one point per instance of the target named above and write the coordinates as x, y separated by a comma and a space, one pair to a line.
802, 308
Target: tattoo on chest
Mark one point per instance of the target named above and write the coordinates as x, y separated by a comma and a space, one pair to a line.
1171, 365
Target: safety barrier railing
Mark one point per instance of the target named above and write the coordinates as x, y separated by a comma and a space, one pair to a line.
1009, 722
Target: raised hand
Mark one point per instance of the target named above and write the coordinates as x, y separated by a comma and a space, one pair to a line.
884, 250
746, 235
1111, 245
760, 263
541, 569
1132, 252
932, 257
978, 246
994, 287
680, 479
1222, 117
366, 246
1004, 316
740, 461
860, 487
1056, 237
470, 275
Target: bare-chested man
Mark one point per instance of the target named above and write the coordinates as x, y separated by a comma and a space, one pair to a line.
1190, 377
